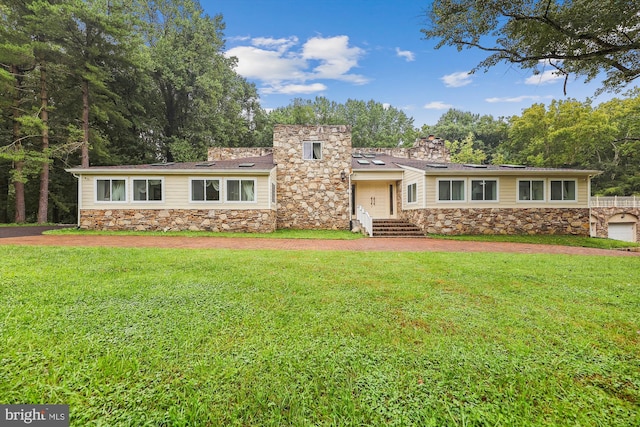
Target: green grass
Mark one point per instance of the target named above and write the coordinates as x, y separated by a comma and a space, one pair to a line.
222, 337
278, 234
541, 239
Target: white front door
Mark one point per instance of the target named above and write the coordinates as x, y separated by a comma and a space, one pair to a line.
377, 198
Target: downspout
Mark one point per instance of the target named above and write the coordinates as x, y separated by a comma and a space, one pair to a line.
79, 177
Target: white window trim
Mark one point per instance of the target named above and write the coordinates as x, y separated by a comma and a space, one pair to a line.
575, 183
464, 190
487, 178
208, 202
312, 143
111, 178
147, 178
407, 190
255, 191
544, 190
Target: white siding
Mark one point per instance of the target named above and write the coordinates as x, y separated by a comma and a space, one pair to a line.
176, 193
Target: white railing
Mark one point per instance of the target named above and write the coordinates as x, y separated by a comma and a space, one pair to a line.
615, 202
365, 220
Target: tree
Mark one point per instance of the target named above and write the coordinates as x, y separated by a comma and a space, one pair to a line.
456, 125
583, 38
462, 151
373, 124
203, 101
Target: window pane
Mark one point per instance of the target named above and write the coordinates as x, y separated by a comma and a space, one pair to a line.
537, 190
139, 189
412, 193
556, 190
118, 190
317, 150
233, 190
197, 190
155, 189
457, 190
307, 151
444, 191
524, 190
213, 190
490, 190
247, 191
477, 190
103, 191
569, 190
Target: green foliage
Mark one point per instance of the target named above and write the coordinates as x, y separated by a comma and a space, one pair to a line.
373, 124
584, 38
200, 337
487, 133
463, 151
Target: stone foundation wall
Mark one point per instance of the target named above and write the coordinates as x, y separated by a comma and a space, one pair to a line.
258, 221
601, 218
312, 193
501, 221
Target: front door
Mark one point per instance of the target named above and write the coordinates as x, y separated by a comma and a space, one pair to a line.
377, 198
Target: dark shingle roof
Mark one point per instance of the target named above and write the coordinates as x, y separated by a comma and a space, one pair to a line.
246, 163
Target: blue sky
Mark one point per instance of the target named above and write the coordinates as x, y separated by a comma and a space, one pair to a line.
372, 49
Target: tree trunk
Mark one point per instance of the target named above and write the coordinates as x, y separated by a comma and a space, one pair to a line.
43, 202
85, 123
18, 184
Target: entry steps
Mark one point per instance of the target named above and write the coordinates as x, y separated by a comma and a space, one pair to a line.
395, 228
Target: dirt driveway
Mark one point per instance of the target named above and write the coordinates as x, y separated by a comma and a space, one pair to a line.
366, 244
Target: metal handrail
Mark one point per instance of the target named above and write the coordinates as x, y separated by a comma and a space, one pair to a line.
615, 202
365, 220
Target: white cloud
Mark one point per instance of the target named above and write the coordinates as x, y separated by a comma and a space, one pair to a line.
281, 66
279, 45
406, 54
266, 65
544, 78
293, 89
437, 105
459, 79
521, 98
336, 58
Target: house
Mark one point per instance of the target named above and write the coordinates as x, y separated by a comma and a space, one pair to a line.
312, 178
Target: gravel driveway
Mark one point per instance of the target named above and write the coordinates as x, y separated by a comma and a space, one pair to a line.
33, 236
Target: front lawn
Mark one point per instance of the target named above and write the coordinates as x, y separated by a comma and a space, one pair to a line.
544, 239
222, 337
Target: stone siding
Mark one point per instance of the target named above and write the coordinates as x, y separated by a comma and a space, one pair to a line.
258, 221
501, 221
312, 193
601, 216
423, 149
235, 153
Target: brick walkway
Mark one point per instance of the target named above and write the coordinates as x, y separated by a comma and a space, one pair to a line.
365, 244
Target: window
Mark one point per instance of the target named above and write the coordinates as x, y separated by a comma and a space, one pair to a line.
531, 190
111, 190
451, 190
311, 150
241, 190
563, 190
147, 190
412, 193
484, 189
273, 192
205, 190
